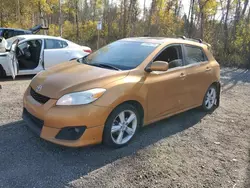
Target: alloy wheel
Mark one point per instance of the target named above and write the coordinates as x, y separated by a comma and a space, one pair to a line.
124, 127
211, 98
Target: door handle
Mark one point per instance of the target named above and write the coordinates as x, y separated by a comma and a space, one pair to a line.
208, 69
182, 75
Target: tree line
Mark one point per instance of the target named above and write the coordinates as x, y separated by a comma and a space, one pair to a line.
225, 24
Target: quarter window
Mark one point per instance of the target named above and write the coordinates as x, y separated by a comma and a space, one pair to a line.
55, 44
194, 55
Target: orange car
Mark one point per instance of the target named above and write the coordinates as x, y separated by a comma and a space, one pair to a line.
107, 95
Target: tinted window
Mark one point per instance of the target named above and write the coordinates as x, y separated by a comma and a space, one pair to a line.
18, 33
7, 33
13, 39
124, 55
172, 55
194, 55
1, 32
55, 44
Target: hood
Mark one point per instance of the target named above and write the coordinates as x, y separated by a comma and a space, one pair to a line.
3, 43
72, 77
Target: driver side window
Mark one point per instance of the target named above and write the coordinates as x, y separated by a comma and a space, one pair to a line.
172, 55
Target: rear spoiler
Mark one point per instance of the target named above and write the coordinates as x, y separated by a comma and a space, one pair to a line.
37, 28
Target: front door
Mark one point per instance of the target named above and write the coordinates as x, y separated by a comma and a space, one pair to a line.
166, 90
12, 60
34, 63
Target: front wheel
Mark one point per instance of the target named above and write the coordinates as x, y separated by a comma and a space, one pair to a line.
210, 99
2, 72
121, 126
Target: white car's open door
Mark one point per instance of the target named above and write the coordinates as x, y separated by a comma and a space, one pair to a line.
13, 62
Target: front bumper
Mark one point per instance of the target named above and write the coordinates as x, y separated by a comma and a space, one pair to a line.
48, 120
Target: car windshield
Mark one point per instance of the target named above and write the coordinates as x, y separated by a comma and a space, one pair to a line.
120, 55
11, 40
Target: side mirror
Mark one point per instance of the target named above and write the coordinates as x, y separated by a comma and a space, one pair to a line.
157, 66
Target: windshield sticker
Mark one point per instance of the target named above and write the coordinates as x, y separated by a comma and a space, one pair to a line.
149, 44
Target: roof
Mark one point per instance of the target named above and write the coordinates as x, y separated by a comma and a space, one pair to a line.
38, 37
15, 29
162, 40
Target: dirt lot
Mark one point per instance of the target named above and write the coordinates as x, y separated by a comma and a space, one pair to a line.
192, 149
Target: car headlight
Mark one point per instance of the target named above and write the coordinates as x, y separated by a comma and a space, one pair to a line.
80, 98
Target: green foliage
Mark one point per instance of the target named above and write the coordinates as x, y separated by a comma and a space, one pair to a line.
79, 19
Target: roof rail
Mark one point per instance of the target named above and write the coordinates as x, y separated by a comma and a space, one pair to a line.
196, 40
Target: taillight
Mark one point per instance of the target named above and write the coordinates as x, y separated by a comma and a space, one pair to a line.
88, 51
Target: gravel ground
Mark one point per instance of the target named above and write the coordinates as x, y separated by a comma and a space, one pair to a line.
192, 149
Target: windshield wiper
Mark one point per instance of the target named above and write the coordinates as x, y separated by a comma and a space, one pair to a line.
105, 66
84, 61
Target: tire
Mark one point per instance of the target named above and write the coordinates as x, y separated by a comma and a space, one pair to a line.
118, 133
210, 99
2, 72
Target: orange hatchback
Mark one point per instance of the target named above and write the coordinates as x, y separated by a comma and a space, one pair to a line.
108, 95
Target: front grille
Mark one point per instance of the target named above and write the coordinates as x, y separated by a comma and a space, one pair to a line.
33, 122
38, 97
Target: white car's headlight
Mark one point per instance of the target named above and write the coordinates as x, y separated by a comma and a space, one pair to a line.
79, 98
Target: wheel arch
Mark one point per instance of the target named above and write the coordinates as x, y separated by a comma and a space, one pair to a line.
135, 104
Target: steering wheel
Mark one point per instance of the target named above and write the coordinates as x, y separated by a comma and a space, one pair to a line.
19, 52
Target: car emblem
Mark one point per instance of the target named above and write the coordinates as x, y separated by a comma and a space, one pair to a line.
39, 88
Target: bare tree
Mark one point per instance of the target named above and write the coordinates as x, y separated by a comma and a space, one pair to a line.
124, 18
77, 18
245, 7
191, 17
18, 13
60, 18
202, 5
151, 12
226, 27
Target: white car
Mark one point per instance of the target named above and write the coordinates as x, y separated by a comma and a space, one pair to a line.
30, 54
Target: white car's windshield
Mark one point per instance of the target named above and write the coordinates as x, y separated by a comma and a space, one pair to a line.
122, 55
11, 40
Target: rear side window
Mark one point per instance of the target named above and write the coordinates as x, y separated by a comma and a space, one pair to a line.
55, 44
18, 33
194, 55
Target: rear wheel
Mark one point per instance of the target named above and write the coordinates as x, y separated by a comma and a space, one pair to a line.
211, 98
121, 126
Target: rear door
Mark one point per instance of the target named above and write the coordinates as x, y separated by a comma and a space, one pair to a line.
55, 52
199, 74
12, 60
